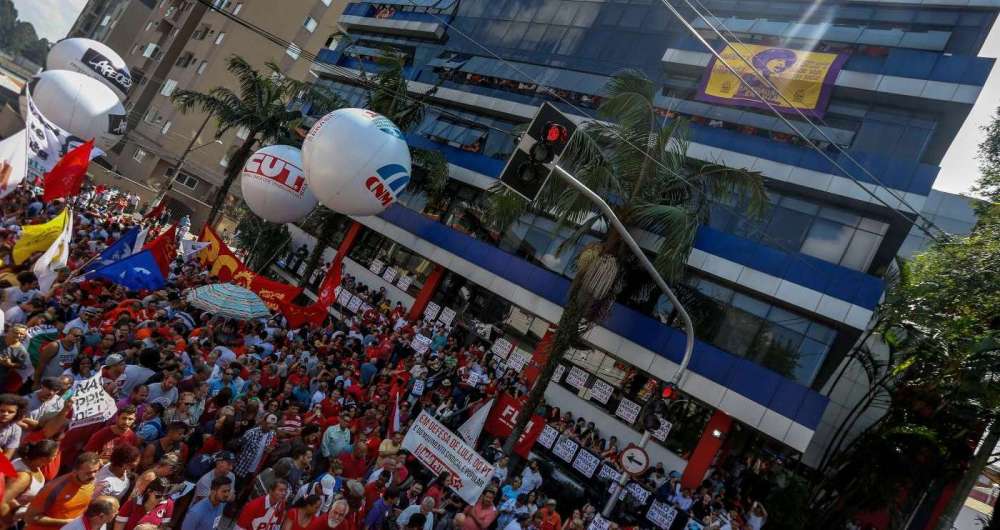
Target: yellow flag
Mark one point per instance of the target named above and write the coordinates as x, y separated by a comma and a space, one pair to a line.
38, 238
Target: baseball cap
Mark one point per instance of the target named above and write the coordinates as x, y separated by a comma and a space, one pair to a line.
113, 360
224, 456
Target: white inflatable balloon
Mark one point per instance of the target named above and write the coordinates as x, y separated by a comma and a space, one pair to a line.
274, 186
82, 106
356, 161
92, 59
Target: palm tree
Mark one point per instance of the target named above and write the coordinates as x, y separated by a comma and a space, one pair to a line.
638, 163
259, 105
388, 96
264, 241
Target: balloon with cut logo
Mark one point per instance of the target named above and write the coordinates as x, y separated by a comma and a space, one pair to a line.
80, 105
92, 59
356, 161
273, 184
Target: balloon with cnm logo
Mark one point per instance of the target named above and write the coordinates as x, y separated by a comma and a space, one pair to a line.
356, 161
92, 59
274, 186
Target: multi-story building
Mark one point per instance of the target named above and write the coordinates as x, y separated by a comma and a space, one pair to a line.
112, 22
783, 297
184, 44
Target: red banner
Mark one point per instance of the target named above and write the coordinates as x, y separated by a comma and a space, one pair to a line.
503, 417
164, 249
298, 315
220, 261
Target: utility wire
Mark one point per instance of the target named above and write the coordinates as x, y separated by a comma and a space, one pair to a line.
347, 72
631, 144
801, 114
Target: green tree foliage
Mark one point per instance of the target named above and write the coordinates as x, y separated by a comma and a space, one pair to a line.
18, 37
639, 163
259, 104
264, 242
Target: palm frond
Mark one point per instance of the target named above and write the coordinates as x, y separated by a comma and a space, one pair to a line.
677, 226
504, 207
629, 100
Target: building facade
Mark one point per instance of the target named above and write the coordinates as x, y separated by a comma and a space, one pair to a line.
783, 298
184, 44
112, 22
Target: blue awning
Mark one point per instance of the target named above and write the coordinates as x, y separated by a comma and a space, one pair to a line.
557, 78
452, 132
431, 4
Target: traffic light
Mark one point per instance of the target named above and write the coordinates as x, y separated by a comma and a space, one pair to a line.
529, 167
670, 392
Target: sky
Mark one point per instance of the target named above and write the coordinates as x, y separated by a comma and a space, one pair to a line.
52, 18
959, 169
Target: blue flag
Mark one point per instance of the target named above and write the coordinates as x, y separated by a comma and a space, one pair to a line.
118, 251
136, 272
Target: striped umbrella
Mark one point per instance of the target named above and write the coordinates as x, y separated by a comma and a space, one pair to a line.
228, 300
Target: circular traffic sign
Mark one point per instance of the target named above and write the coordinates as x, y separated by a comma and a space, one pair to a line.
634, 460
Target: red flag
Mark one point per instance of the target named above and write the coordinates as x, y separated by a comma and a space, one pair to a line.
67, 176
298, 315
328, 290
157, 211
164, 249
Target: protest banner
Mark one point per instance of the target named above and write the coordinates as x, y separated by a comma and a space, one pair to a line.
420, 343
439, 449
661, 514
91, 404
502, 419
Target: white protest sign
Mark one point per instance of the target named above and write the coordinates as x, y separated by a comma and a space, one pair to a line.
376, 266
627, 410
577, 378
599, 523
390, 274
502, 347
439, 449
586, 463
344, 298
609, 473
354, 304
601, 391
565, 448
518, 360
557, 375
404, 282
91, 404
663, 431
420, 343
547, 437
447, 316
661, 514
431, 311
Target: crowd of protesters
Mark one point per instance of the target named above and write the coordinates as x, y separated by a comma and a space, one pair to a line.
248, 423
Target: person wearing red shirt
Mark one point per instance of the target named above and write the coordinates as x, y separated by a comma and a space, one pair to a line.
355, 463
481, 515
335, 519
104, 441
269, 378
375, 488
265, 512
154, 507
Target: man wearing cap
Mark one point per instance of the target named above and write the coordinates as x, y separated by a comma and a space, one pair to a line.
550, 517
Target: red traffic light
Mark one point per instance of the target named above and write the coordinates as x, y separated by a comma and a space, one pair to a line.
670, 392
555, 133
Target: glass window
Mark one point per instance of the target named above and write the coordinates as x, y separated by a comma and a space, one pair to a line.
586, 13
566, 13
861, 251
551, 39
532, 37
514, 35
827, 240
309, 24
548, 11
633, 16
787, 228
570, 41
736, 332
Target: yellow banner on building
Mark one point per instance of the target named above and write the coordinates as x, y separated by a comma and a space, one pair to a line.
804, 78
38, 238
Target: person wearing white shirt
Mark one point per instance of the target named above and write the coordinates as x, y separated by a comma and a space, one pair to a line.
425, 507
531, 477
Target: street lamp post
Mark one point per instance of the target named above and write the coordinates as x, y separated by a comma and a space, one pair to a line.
648, 266
191, 147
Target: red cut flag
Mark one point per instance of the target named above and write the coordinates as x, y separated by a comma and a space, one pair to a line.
164, 249
67, 176
157, 211
328, 291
